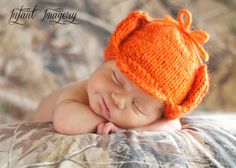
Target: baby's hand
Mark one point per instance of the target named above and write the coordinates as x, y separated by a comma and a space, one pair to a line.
106, 128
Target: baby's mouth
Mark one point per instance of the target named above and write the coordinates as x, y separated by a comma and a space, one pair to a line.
106, 109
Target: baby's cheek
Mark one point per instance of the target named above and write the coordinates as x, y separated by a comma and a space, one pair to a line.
131, 121
141, 120
96, 85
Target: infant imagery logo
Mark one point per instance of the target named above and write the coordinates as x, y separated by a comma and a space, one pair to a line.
50, 15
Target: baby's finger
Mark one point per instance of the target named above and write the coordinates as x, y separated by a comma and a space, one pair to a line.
107, 128
100, 128
115, 129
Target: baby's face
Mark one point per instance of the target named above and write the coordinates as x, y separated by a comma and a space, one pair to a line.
115, 97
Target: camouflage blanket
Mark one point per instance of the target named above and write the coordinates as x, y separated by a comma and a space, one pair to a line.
201, 143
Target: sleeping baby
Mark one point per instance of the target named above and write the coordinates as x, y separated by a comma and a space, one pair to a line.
153, 73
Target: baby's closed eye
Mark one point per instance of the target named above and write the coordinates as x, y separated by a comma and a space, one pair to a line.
137, 107
116, 79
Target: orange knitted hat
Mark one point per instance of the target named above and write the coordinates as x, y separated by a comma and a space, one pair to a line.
163, 57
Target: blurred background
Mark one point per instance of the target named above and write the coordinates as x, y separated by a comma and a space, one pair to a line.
38, 57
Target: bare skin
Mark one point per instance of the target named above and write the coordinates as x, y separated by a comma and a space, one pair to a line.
105, 103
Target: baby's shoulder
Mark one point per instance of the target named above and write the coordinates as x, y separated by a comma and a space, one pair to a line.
77, 85
76, 90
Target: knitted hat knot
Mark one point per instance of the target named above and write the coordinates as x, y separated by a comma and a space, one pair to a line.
197, 36
163, 57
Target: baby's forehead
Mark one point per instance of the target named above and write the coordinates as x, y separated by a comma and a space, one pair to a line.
131, 84
121, 74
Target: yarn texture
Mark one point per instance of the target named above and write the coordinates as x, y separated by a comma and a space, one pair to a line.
164, 58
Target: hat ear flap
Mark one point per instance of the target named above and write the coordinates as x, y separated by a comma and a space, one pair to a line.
194, 97
134, 21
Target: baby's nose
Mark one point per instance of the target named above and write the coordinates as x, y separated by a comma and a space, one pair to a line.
119, 100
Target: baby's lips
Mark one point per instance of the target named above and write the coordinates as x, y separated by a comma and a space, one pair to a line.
106, 108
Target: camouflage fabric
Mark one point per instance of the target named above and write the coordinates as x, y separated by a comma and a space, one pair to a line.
201, 143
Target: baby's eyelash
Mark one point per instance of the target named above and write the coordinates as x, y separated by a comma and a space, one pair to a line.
116, 79
136, 107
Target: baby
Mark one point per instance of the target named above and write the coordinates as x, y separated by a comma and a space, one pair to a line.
152, 75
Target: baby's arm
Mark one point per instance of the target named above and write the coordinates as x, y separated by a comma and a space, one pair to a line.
71, 114
75, 118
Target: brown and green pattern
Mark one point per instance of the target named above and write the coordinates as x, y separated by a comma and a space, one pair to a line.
201, 143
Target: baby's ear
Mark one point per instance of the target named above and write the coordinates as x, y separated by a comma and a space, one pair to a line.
132, 22
195, 95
